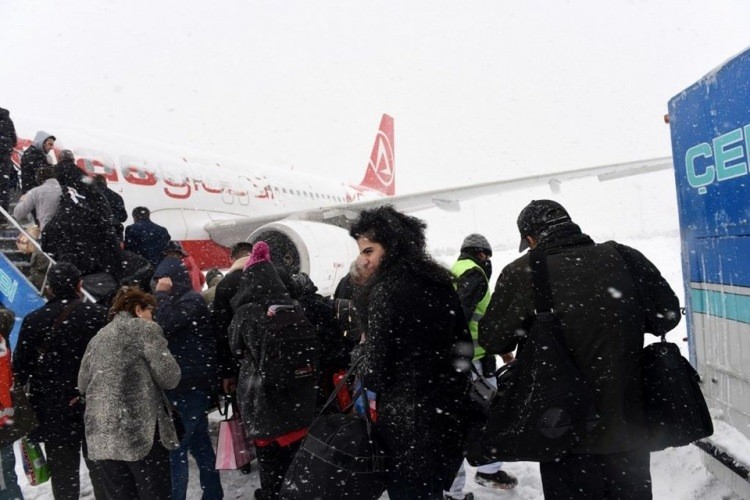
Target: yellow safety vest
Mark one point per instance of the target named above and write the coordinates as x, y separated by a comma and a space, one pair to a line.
458, 269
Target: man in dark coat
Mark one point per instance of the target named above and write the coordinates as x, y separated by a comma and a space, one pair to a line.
146, 238
223, 312
472, 272
82, 236
35, 157
48, 356
116, 204
70, 176
183, 315
603, 295
8, 141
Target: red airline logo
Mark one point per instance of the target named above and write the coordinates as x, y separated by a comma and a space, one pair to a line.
383, 169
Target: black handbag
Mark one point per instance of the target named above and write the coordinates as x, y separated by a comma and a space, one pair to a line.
24, 418
676, 411
339, 457
543, 407
673, 403
481, 391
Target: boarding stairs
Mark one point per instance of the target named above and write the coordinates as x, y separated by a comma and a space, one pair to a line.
17, 293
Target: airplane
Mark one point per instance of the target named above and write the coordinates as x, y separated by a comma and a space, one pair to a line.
303, 217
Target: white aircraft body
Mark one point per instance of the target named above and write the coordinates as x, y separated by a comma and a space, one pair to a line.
304, 218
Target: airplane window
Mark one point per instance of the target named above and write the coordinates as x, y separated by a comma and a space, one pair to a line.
283, 190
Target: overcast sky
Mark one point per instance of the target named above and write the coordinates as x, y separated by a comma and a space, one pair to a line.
479, 90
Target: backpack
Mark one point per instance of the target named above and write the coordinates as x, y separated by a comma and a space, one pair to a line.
285, 356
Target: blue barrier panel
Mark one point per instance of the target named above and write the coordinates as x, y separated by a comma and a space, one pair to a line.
17, 294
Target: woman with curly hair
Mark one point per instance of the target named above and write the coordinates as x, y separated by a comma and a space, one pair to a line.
129, 431
416, 352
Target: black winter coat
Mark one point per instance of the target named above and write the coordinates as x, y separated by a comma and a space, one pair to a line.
8, 141
603, 320
222, 315
77, 234
117, 207
33, 159
414, 328
8, 136
183, 315
49, 359
148, 239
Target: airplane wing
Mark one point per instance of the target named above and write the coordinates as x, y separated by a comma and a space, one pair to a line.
227, 232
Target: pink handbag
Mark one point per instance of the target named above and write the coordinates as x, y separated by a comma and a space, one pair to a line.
234, 450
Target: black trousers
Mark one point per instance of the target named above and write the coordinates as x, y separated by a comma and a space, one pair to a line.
625, 476
273, 462
149, 478
63, 460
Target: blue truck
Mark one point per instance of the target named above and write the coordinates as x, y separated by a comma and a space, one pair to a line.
710, 131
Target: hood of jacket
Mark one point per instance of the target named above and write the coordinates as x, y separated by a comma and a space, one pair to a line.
39, 139
173, 268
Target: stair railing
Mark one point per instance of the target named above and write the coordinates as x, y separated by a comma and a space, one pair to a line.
35, 243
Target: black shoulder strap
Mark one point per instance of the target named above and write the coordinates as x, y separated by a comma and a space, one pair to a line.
65, 313
540, 283
49, 337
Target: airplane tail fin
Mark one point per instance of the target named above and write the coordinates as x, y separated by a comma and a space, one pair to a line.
381, 170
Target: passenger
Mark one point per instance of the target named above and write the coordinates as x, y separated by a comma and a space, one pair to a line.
136, 271
35, 157
335, 347
43, 200
146, 238
9, 480
261, 287
116, 204
77, 231
213, 278
124, 372
48, 355
70, 176
183, 315
197, 279
596, 289
472, 272
222, 314
344, 299
38, 262
8, 176
412, 354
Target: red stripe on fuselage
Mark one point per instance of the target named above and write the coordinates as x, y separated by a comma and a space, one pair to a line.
207, 253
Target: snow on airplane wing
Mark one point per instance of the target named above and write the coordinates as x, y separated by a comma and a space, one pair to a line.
229, 231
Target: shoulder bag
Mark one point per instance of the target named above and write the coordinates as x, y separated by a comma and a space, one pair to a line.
24, 418
673, 403
339, 457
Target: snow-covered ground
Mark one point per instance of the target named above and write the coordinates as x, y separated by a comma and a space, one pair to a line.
677, 473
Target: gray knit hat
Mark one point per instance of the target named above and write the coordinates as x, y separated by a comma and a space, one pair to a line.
477, 241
